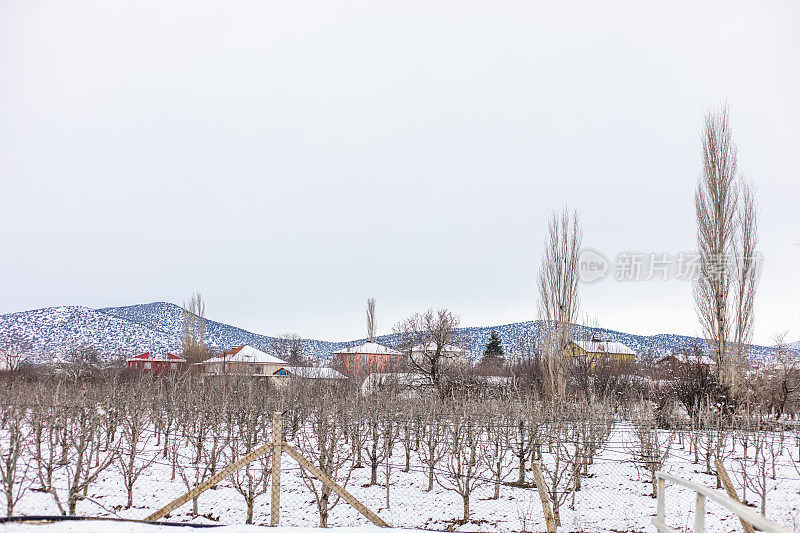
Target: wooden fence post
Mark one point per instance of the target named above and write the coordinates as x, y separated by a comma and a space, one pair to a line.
210, 482
726, 482
338, 489
541, 486
700, 514
277, 450
660, 504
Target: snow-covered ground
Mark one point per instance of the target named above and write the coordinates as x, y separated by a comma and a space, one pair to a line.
105, 526
615, 496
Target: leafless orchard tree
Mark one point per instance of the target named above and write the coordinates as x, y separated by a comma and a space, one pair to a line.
133, 457
428, 335
48, 446
465, 469
558, 295
85, 462
522, 435
758, 481
374, 443
726, 227
494, 451
248, 434
432, 439
649, 449
559, 465
14, 470
195, 427
323, 444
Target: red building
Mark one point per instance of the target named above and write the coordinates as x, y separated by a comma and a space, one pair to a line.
157, 364
368, 358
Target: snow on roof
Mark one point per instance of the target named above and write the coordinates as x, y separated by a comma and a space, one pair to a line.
244, 354
682, 357
604, 347
402, 379
449, 348
313, 372
146, 356
372, 348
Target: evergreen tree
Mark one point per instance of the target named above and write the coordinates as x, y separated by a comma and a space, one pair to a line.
493, 348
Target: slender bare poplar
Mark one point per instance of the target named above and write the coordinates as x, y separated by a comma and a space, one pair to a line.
747, 274
725, 287
558, 295
194, 329
371, 319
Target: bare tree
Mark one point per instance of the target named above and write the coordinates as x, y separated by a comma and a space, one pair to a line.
495, 453
290, 348
84, 428
464, 468
194, 329
725, 287
746, 263
12, 352
558, 295
649, 449
133, 458
781, 389
371, 319
432, 440
374, 448
427, 338
324, 445
13, 469
251, 481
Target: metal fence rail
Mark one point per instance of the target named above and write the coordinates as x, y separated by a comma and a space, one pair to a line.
741, 510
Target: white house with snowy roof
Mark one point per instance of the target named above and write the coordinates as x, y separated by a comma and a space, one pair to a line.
244, 360
595, 350
450, 355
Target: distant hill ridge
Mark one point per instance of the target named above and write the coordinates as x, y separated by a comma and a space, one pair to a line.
158, 326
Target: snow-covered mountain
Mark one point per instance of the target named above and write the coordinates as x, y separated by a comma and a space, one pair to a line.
158, 326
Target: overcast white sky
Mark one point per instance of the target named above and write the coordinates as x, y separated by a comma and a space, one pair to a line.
290, 159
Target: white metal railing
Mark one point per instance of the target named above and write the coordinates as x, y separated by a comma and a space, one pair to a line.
742, 511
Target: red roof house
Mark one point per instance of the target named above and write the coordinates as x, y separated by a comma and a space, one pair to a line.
158, 364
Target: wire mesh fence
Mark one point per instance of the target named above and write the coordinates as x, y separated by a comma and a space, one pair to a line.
459, 469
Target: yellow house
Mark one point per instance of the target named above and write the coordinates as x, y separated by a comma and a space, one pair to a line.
596, 350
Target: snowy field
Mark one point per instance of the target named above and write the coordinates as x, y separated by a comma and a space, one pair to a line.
103, 526
614, 496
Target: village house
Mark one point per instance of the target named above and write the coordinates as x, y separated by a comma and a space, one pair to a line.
594, 351
244, 360
451, 356
311, 374
157, 364
405, 385
680, 359
368, 358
